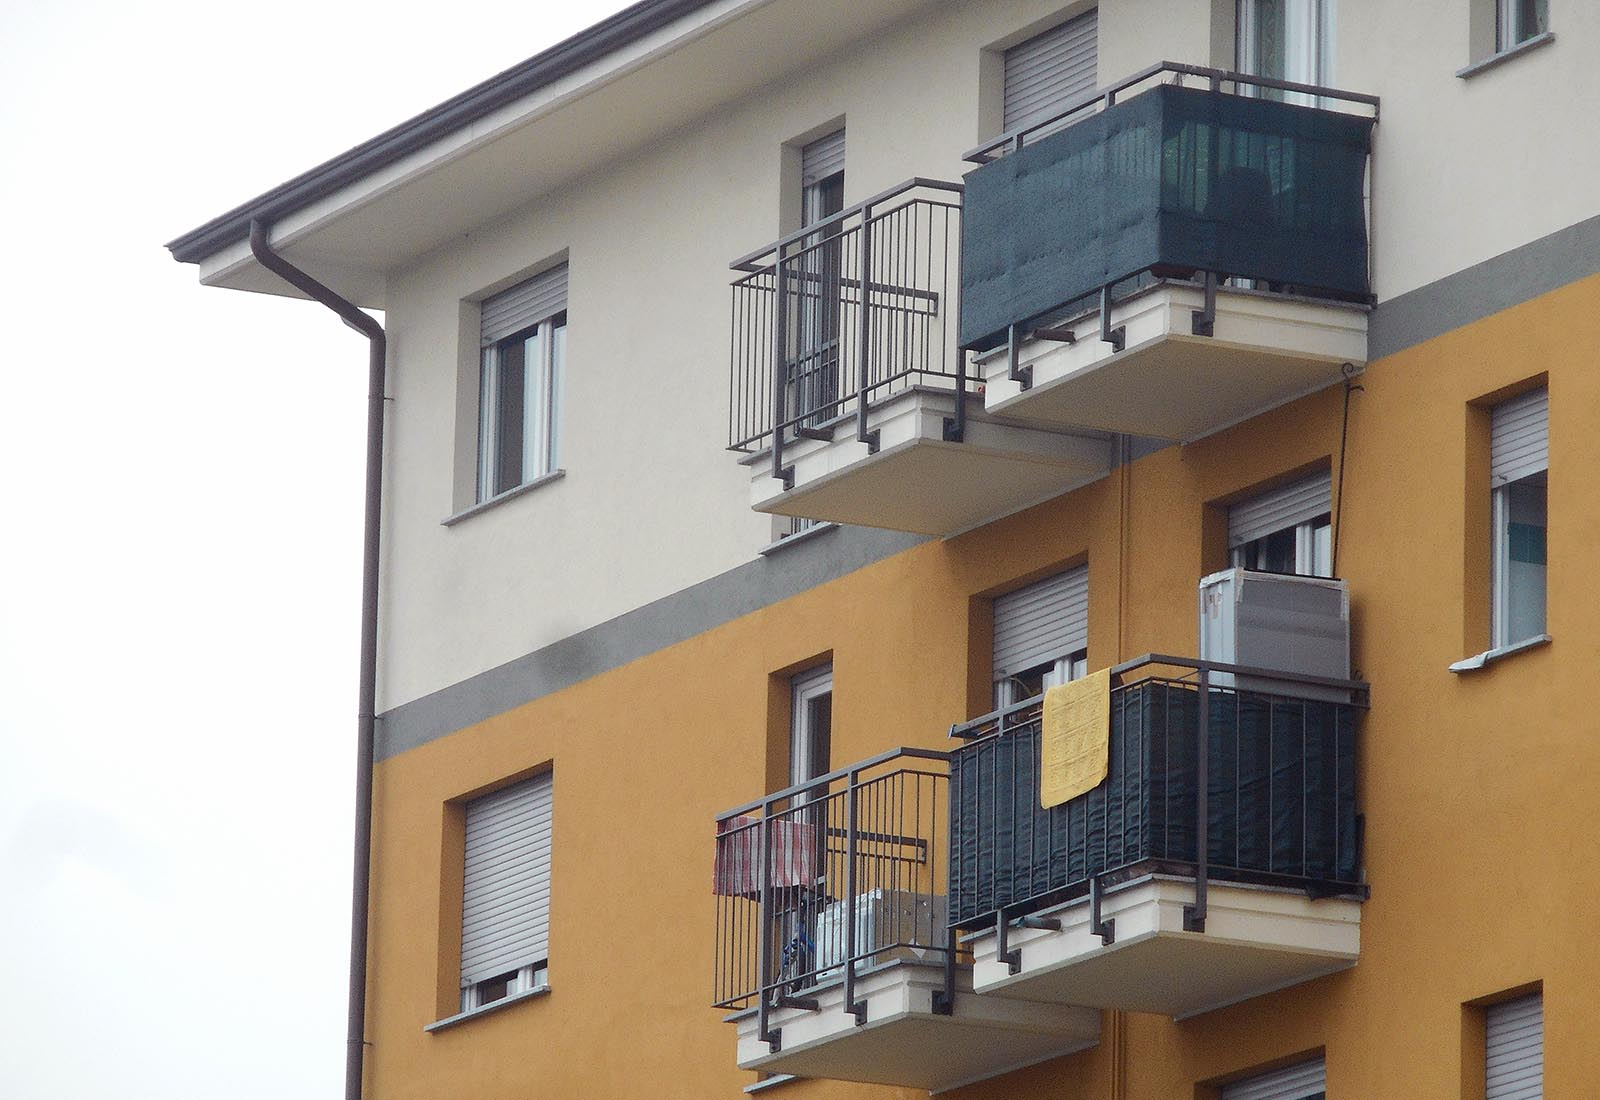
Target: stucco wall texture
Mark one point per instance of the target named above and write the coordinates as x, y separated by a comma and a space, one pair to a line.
1479, 790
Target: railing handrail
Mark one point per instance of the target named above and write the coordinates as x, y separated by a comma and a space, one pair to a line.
748, 263
976, 727
811, 785
1108, 93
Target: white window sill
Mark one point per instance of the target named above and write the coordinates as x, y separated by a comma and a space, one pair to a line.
771, 1083
1500, 653
1506, 55
510, 494
796, 539
493, 1006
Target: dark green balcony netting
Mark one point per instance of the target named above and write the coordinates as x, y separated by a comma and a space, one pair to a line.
1281, 803
1175, 181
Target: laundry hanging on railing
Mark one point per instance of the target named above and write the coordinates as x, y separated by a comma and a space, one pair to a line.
1075, 738
738, 868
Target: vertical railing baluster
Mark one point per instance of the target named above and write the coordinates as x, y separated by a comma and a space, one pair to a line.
864, 330
779, 355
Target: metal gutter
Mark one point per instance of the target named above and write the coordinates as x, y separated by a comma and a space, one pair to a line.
261, 247
560, 60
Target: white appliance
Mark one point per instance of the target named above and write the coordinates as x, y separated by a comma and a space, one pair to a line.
883, 917
1276, 621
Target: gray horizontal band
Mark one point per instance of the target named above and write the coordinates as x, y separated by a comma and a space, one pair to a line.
637, 633
1484, 289
1419, 315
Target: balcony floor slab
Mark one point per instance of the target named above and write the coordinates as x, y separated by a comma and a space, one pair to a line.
904, 1042
1170, 384
918, 481
1257, 939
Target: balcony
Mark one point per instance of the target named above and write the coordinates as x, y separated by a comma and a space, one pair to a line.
1219, 860
849, 399
1166, 260
834, 957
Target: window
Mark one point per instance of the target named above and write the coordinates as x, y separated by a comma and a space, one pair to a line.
523, 340
1047, 72
1041, 636
1306, 1081
1286, 40
810, 725
505, 904
1287, 530
1516, 21
814, 374
1519, 460
1514, 1049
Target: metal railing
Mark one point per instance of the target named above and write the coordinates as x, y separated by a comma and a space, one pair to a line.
1162, 71
845, 313
1204, 781
1050, 321
821, 881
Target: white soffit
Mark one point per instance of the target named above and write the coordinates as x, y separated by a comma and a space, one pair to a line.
623, 102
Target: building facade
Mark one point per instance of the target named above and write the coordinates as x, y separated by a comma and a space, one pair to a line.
778, 384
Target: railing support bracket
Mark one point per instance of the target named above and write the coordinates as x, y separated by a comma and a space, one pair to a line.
1098, 926
1003, 951
1116, 337
1203, 322
1022, 376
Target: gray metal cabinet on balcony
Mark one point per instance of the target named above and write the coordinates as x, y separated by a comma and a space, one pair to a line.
1178, 252
833, 950
849, 398
1219, 860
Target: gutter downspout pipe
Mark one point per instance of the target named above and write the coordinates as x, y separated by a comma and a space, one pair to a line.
261, 248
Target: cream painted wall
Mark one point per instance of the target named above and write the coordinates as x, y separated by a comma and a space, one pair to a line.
651, 502
1468, 169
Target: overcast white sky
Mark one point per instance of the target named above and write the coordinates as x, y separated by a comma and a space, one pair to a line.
180, 480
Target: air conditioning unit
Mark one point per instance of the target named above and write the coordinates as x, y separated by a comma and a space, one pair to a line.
890, 924
1280, 622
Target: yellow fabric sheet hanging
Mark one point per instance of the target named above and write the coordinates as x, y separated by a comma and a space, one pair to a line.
1075, 738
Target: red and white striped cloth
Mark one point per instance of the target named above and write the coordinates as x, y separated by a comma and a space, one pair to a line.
738, 869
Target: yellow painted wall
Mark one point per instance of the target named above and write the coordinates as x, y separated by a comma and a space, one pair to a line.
1479, 791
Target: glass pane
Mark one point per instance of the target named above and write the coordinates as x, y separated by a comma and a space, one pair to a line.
1521, 20
558, 382
1272, 553
486, 421
510, 427
535, 386
1322, 548
1525, 558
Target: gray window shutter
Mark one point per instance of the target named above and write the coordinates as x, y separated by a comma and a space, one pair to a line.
1282, 507
1516, 1049
822, 158
1519, 437
524, 305
1042, 622
1300, 1082
1047, 72
505, 907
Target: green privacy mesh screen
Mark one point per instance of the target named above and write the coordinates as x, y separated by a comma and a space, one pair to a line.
1174, 180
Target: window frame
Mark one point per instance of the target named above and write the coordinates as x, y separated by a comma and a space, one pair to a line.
1308, 548
1509, 33
1312, 22
1502, 587
541, 399
805, 746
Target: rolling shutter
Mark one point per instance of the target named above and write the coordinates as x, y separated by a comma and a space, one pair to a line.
1042, 622
505, 907
1516, 1049
822, 158
1293, 504
524, 305
1309, 1079
1519, 437
1047, 72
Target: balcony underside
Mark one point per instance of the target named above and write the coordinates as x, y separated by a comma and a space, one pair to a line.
919, 481
1171, 384
904, 1042
1257, 939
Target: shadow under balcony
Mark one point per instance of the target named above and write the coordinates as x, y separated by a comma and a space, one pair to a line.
834, 955
849, 399
1168, 260
1102, 901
